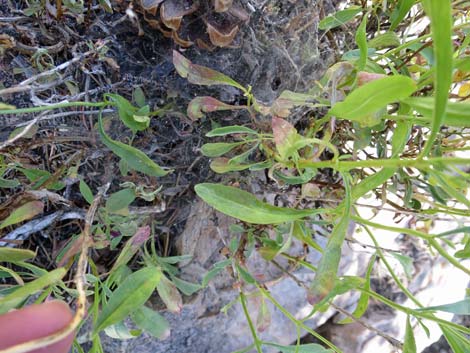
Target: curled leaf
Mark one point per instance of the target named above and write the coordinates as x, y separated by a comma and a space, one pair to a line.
151, 6
200, 105
172, 12
201, 75
222, 5
221, 38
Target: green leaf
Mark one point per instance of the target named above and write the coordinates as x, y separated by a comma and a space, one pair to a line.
129, 296
219, 148
339, 18
120, 200
119, 331
456, 340
86, 191
4, 106
15, 298
223, 165
384, 40
368, 99
200, 105
216, 269
132, 246
15, 255
406, 262
201, 75
245, 275
138, 96
9, 184
456, 113
228, 130
409, 345
245, 206
185, 287
23, 213
439, 13
134, 158
151, 322
404, 6
361, 40
287, 100
170, 295
127, 112
363, 301
325, 277
461, 307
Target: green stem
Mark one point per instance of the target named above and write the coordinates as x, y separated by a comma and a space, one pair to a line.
52, 107
427, 237
257, 342
390, 269
383, 163
297, 322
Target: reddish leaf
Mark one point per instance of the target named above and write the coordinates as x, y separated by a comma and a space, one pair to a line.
201, 75
132, 246
200, 105
365, 77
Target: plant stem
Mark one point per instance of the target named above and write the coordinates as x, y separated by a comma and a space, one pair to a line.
384, 163
52, 107
257, 342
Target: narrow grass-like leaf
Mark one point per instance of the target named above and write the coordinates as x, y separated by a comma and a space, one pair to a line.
461, 307
456, 113
23, 213
409, 346
403, 7
134, 158
361, 40
14, 255
13, 299
456, 340
245, 206
228, 130
363, 301
129, 296
439, 13
373, 96
327, 270
339, 18
151, 322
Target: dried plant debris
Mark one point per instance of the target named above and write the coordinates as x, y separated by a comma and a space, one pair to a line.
208, 24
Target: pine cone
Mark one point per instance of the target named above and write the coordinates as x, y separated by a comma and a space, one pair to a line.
208, 23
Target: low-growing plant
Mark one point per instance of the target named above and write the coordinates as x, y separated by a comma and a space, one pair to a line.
393, 128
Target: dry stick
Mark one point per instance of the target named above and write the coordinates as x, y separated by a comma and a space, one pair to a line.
26, 84
79, 282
